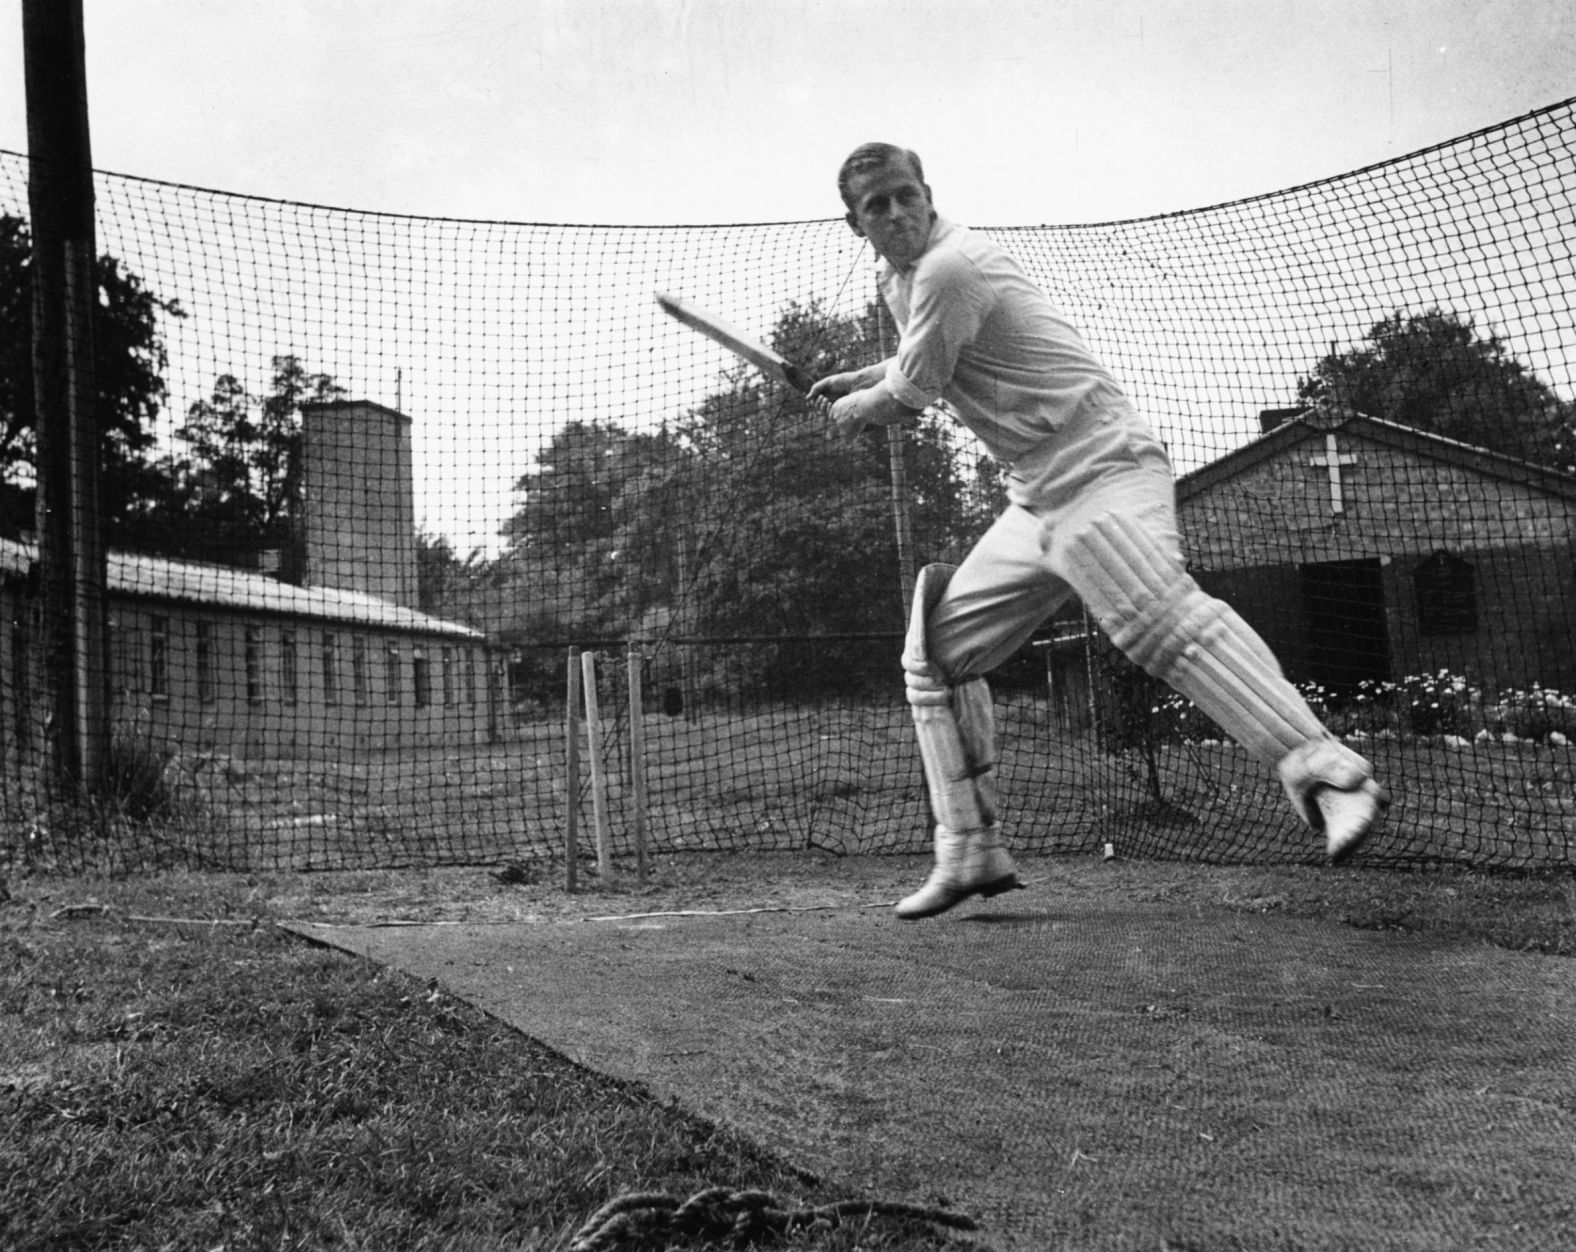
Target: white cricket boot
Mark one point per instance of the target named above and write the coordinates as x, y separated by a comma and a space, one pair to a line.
1334, 790
968, 863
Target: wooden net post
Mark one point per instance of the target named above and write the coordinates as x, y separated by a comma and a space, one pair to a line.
637, 756
604, 850
572, 774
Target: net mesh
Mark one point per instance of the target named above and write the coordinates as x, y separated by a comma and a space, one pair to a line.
370, 478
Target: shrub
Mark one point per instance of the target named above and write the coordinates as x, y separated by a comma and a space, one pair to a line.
138, 783
1147, 713
1370, 710
1178, 720
1534, 713
1437, 704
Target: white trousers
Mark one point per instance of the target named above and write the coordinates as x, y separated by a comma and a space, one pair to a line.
1012, 580
1095, 516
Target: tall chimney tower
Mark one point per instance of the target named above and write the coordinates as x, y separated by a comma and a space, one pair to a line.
360, 499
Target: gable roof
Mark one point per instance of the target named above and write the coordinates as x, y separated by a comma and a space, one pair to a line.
1314, 423
225, 588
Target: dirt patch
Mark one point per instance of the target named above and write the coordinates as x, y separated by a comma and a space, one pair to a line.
1532, 913
1535, 913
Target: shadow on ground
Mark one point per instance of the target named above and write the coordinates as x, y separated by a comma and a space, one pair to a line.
1076, 1073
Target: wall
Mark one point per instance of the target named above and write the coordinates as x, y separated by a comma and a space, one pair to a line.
184, 676
1279, 510
1246, 535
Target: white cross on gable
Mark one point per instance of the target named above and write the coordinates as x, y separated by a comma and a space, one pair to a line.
1332, 460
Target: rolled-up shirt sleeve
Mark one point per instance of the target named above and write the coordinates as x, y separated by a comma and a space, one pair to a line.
949, 300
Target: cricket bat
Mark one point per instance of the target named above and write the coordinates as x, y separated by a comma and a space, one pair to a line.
747, 347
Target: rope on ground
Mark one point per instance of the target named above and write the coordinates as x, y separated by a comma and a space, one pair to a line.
635, 1220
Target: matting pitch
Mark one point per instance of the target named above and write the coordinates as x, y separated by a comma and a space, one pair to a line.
1077, 1075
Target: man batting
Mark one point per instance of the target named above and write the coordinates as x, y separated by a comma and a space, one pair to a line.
1091, 513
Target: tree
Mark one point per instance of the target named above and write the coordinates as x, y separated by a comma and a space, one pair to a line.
739, 519
591, 526
801, 532
446, 586
236, 489
130, 360
1434, 371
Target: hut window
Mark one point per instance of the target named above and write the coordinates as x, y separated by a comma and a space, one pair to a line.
287, 666
254, 664
159, 658
358, 667
330, 668
421, 676
1446, 595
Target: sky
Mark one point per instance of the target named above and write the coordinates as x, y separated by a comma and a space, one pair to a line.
703, 112
660, 112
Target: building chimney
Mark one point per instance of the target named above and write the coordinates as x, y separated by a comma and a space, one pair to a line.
360, 499
1271, 419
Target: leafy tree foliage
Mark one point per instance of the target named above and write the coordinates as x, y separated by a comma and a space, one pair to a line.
235, 489
444, 582
130, 361
590, 530
1434, 371
742, 519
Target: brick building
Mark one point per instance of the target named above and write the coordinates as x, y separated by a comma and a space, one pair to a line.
213, 657
1361, 549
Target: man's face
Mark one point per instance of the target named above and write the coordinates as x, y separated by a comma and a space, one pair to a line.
892, 209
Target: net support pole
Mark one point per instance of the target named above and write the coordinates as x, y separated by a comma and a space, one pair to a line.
604, 850
637, 757
73, 565
688, 625
572, 774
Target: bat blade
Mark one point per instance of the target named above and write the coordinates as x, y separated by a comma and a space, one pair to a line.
747, 347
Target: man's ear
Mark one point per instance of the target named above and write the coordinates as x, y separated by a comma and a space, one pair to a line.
853, 223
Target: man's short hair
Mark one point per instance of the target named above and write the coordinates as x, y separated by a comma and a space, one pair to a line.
874, 156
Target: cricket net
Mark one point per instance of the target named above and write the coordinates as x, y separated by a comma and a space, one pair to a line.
370, 478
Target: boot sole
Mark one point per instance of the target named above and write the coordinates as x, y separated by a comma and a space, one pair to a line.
999, 887
1344, 853
996, 887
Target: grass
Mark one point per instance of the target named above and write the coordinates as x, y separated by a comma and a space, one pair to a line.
220, 1084
1520, 912
785, 778
225, 1085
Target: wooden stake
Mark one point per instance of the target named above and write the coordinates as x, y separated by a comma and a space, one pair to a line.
637, 757
604, 850
572, 774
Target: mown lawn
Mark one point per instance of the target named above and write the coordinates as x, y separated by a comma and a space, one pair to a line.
182, 1085
789, 778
